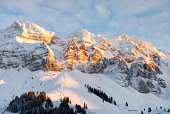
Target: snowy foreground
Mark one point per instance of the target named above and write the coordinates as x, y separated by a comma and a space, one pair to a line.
72, 83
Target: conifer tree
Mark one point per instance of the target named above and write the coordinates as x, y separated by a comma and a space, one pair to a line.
149, 110
126, 104
114, 102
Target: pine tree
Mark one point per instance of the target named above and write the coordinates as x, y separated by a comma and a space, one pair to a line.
114, 102
126, 104
168, 110
84, 105
149, 110
111, 100
164, 109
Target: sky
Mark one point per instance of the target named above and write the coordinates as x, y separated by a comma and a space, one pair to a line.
149, 20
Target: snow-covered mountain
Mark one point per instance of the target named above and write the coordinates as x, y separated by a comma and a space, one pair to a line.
24, 44
126, 68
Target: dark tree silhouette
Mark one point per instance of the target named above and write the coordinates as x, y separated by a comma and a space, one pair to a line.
149, 110
168, 110
100, 94
126, 104
29, 103
114, 102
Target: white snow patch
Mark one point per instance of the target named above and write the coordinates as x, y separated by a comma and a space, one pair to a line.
22, 40
2, 82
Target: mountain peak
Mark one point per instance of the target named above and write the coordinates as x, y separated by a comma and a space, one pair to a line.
29, 27
128, 38
82, 32
27, 30
81, 35
21, 22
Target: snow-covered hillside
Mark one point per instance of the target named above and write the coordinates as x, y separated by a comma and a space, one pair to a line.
124, 67
72, 84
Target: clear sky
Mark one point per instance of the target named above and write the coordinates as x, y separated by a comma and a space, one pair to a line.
147, 19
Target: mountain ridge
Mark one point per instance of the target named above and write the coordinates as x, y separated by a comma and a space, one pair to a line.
125, 60
93, 53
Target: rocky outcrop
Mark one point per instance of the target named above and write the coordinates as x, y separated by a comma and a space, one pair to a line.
76, 55
144, 78
115, 68
102, 64
27, 55
50, 64
15, 52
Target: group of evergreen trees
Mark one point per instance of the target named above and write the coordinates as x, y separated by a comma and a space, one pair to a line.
100, 94
30, 103
79, 109
150, 110
65, 109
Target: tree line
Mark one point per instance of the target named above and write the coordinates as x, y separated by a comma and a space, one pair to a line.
30, 103
100, 94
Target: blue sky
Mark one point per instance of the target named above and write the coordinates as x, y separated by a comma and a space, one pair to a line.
147, 19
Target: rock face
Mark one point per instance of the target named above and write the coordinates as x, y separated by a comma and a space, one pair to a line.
144, 78
26, 55
127, 60
16, 52
74, 53
31, 31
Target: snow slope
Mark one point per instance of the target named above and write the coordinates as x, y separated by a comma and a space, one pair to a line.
71, 83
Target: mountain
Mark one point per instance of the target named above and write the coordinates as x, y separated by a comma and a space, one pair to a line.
24, 44
124, 67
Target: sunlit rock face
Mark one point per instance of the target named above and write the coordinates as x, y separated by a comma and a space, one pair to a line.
27, 30
76, 55
33, 53
80, 50
131, 48
145, 62
49, 62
